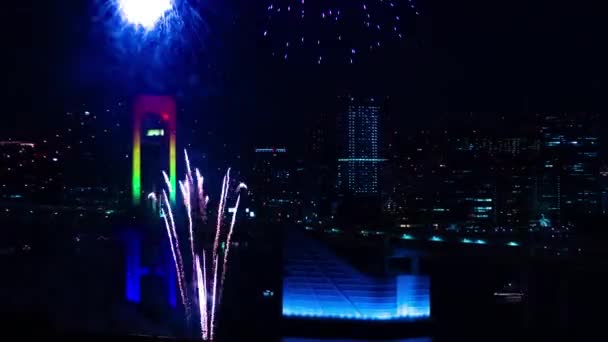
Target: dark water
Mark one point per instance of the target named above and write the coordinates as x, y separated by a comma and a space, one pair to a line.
302, 339
63, 285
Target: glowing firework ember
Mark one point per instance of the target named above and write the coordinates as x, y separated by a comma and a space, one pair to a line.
208, 285
338, 30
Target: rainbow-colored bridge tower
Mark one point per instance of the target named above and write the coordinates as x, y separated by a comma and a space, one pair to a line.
165, 107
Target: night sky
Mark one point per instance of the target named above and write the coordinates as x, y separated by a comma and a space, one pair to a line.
469, 55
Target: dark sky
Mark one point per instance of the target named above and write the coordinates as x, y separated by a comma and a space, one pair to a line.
463, 55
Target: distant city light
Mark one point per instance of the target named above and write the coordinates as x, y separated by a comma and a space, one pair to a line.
270, 150
407, 237
436, 238
467, 241
145, 13
376, 160
512, 244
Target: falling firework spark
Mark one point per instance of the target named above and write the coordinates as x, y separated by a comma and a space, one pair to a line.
335, 30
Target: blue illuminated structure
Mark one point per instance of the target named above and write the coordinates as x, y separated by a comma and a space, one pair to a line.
318, 284
135, 271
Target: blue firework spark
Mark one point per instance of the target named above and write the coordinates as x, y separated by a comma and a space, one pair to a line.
335, 30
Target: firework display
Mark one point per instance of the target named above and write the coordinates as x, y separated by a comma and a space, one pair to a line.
207, 277
338, 30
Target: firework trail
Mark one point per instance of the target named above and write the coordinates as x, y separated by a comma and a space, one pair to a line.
186, 194
220, 212
167, 182
189, 172
213, 299
202, 296
206, 302
229, 238
218, 229
180, 261
179, 276
202, 201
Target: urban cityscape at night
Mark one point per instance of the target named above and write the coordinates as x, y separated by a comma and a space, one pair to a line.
381, 170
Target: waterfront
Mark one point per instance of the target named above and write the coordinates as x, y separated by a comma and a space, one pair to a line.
76, 285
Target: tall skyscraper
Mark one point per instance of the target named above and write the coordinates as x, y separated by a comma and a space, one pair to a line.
568, 186
359, 152
604, 188
272, 180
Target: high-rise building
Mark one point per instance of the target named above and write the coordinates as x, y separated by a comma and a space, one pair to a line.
359, 149
604, 187
567, 185
318, 170
272, 192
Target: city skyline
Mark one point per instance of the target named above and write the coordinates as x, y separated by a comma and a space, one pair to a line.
288, 170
